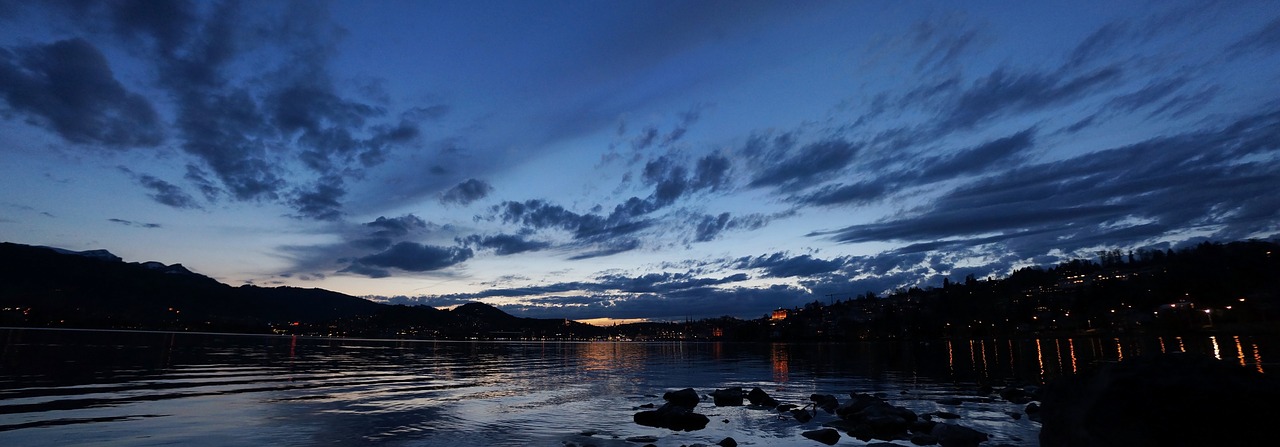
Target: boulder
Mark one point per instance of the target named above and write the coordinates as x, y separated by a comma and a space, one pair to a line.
727, 442
1170, 399
802, 415
728, 397
922, 426
1015, 395
924, 439
951, 435
857, 403
757, 396
672, 416
687, 398
874, 418
828, 436
826, 402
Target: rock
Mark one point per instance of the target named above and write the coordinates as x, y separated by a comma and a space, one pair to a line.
922, 426
951, 435
924, 439
728, 397
1032, 408
802, 415
644, 439
873, 418
985, 389
1013, 414
1172, 399
887, 427
672, 416
1015, 395
757, 396
882, 444
858, 403
727, 442
647, 406
841, 425
687, 398
951, 401
828, 436
786, 407
826, 402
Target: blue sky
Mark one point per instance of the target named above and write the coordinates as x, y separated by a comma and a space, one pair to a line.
624, 160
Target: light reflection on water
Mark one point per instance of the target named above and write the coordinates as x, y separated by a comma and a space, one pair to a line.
139, 388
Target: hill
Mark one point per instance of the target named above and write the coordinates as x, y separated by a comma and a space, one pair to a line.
50, 287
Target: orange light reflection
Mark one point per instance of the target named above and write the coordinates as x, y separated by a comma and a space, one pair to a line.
1257, 358
1239, 350
781, 368
1071, 345
1040, 358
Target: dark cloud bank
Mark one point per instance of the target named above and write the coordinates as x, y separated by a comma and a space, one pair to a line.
242, 131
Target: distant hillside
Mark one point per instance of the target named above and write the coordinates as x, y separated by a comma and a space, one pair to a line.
49, 287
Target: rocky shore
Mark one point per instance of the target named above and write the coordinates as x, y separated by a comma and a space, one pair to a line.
1156, 400
869, 418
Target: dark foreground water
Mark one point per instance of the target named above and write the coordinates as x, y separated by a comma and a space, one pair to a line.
65, 388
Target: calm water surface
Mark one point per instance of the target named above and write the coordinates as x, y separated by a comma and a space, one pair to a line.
63, 388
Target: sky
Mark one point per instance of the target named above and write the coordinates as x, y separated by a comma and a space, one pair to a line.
623, 160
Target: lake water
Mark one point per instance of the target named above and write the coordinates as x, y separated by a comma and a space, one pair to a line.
65, 388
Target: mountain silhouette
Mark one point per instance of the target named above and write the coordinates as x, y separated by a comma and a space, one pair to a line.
51, 287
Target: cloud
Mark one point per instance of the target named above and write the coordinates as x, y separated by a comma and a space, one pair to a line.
409, 256
466, 192
668, 178
646, 138
168, 194
708, 227
130, 223
1147, 95
942, 42
654, 295
1135, 192
1265, 40
68, 87
804, 167
859, 193
200, 178
977, 159
711, 226
608, 248
505, 244
780, 265
322, 201
711, 172
687, 119
539, 214
1004, 91
1098, 43
396, 226
278, 132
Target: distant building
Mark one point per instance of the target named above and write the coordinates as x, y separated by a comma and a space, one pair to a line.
780, 314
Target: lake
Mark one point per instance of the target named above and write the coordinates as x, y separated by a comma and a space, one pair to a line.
67, 387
